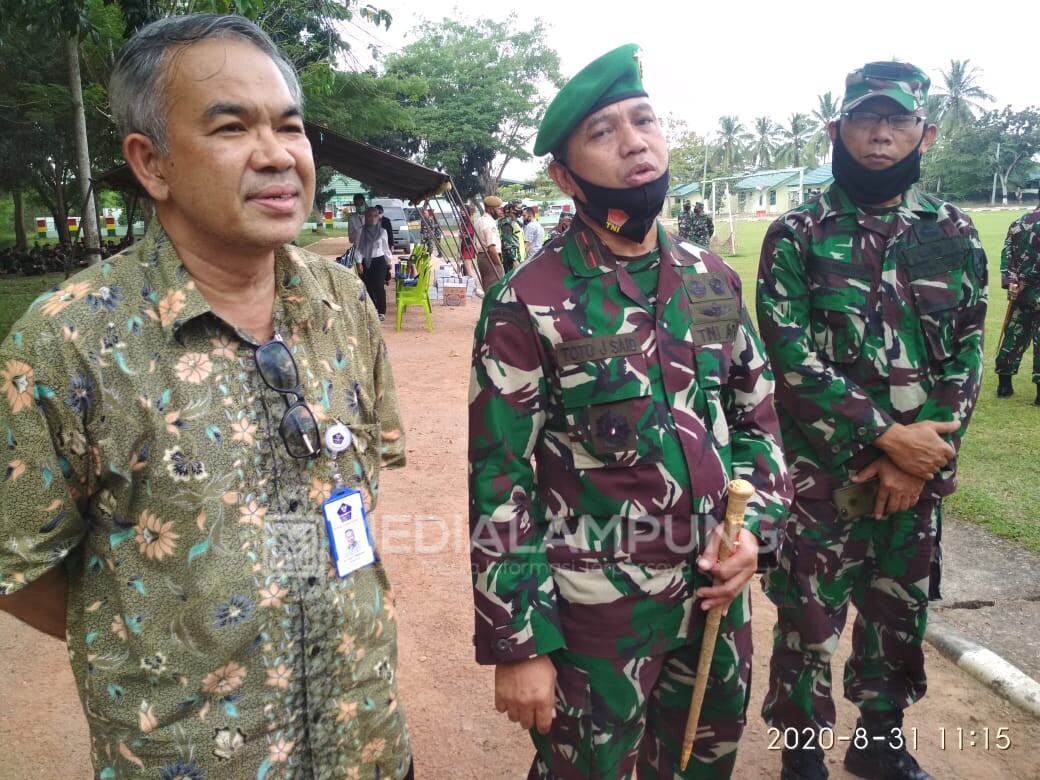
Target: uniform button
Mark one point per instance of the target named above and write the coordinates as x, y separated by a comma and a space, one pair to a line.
502, 645
835, 448
861, 431
311, 581
315, 650
293, 505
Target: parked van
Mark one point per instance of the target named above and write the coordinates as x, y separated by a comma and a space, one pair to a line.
394, 210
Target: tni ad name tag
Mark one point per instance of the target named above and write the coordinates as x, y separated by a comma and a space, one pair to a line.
347, 526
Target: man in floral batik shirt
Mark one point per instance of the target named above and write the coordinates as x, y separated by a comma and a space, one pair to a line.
165, 458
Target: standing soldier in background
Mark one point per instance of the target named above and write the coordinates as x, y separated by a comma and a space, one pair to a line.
872, 302
512, 237
686, 222
617, 386
702, 226
1020, 276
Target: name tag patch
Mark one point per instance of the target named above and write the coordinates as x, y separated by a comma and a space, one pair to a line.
597, 348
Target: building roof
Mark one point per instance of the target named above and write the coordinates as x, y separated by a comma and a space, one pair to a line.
817, 176
765, 180
682, 190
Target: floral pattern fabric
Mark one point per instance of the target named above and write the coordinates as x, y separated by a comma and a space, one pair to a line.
207, 629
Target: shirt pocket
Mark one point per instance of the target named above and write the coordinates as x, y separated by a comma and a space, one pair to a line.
935, 272
839, 295
609, 412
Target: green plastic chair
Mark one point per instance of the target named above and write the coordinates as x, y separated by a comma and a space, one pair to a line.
419, 295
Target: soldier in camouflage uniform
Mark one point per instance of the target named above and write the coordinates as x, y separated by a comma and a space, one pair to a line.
871, 301
512, 237
617, 386
686, 222
702, 226
1020, 276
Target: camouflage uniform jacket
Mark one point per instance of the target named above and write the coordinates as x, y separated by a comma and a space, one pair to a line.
512, 240
702, 228
868, 322
208, 632
1020, 258
636, 416
686, 225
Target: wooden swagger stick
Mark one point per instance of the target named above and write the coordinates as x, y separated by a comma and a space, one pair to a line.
740, 492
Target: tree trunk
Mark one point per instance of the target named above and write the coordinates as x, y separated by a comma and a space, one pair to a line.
61, 217
21, 241
88, 223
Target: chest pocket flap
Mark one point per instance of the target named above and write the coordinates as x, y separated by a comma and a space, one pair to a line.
839, 294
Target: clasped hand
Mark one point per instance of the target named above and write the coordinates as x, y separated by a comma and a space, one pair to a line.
918, 448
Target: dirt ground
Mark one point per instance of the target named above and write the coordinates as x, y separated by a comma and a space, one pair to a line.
448, 699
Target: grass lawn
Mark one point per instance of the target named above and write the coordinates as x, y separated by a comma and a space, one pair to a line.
998, 486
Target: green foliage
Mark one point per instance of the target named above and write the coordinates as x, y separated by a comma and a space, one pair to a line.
731, 147
795, 135
484, 95
999, 142
686, 151
953, 105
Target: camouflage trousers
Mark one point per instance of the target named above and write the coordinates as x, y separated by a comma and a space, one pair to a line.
622, 718
882, 567
1023, 329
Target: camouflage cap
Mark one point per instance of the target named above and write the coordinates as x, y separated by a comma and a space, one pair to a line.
611, 78
902, 82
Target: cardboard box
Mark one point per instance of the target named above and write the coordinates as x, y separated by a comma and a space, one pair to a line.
454, 294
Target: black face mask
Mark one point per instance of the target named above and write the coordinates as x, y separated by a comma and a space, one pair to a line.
629, 212
869, 187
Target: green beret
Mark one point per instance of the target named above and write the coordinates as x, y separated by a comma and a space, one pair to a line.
613, 77
902, 82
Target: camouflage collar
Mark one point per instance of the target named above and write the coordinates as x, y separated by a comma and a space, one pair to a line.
836, 201
586, 255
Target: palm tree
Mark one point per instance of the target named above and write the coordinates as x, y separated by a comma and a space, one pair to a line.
764, 145
733, 141
796, 138
825, 112
957, 105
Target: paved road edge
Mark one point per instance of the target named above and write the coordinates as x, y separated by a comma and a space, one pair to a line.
985, 665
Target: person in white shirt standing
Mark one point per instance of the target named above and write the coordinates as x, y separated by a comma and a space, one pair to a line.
489, 242
534, 233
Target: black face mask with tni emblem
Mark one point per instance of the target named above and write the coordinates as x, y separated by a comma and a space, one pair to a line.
629, 212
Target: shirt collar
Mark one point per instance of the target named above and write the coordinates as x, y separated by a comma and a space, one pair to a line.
178, 300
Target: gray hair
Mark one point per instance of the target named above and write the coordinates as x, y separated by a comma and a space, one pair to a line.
137, 88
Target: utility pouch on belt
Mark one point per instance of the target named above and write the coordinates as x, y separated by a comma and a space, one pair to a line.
854, 501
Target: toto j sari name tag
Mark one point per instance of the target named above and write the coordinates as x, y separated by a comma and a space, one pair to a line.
347, 526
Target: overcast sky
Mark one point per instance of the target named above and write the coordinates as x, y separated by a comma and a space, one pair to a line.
757, 58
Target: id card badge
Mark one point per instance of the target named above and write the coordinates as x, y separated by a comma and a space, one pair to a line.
347, 527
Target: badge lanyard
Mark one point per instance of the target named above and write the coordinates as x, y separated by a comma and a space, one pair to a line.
346, 521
